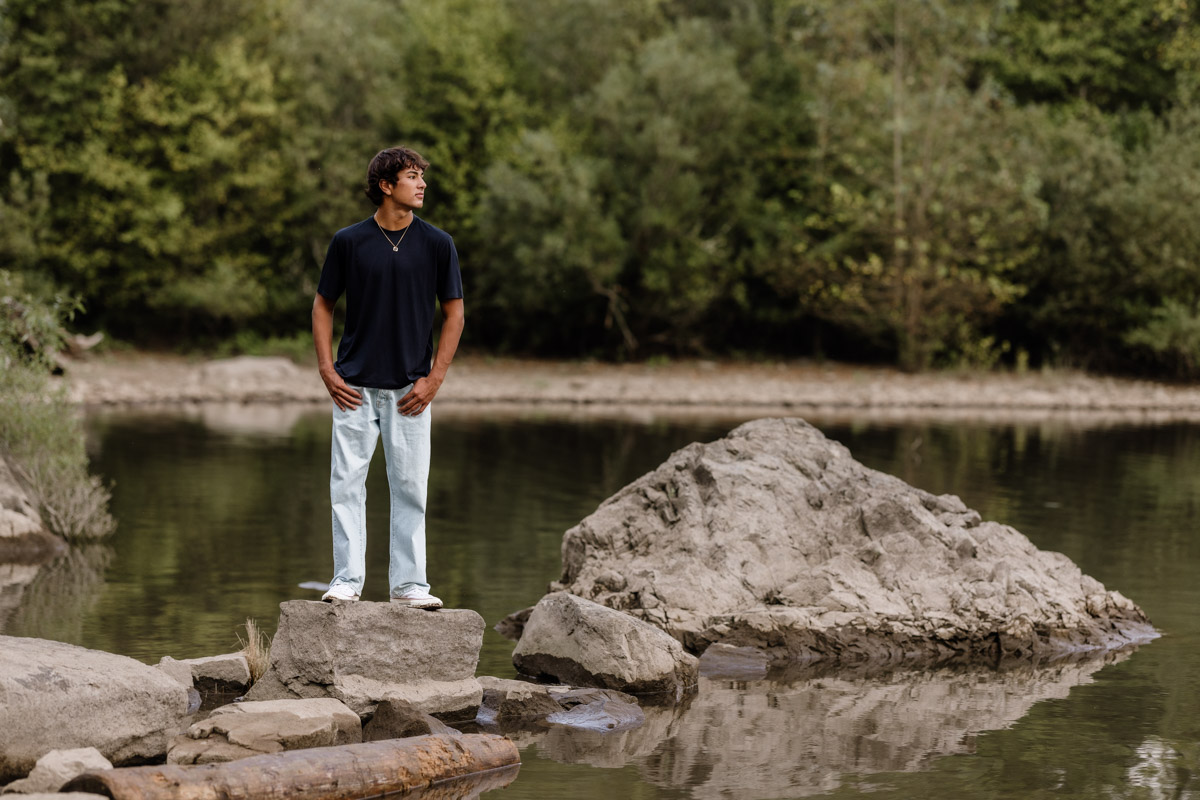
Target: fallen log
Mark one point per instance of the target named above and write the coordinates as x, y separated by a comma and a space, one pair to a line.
345, 772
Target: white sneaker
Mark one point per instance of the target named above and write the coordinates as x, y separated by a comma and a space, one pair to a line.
417, 598
340, 591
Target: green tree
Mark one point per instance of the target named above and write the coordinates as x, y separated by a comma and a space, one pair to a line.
1112, 54
150, 182
930, 199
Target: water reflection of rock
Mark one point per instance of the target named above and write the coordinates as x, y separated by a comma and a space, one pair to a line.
798, 735
49, 600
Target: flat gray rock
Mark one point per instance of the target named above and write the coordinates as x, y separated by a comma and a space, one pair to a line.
240, 730
363, 653
56, 696
775, 538
583, 643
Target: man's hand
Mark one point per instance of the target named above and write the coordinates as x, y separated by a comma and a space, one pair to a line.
419, 397
345, 397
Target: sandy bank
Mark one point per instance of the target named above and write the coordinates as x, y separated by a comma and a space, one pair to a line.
683, 387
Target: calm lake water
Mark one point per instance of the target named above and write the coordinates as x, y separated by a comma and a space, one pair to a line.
223, 512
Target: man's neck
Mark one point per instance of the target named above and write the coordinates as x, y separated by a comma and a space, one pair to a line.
393, 217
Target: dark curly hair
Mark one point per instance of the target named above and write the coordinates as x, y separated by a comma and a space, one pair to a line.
389, 163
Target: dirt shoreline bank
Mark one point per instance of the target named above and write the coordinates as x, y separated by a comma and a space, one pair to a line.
515, 386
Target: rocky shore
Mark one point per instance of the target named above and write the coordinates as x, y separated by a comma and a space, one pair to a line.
799, 388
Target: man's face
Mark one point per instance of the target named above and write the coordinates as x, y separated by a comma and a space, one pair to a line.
408, 189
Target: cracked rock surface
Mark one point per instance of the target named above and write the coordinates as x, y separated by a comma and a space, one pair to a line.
774, 537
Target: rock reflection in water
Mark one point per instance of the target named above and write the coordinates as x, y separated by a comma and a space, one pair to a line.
49, 600
799, 735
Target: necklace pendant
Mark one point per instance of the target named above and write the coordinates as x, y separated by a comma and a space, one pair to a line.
395, 248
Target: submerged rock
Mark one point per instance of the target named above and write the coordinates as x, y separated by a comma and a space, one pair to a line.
363, 653
774, 537
583, 643
602, 716
56, 696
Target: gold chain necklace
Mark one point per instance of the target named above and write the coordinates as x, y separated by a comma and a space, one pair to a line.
396, 244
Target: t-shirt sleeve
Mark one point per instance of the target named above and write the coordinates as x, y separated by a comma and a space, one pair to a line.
449, 279
333, 273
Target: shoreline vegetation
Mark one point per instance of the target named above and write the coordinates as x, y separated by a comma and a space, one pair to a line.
692, 387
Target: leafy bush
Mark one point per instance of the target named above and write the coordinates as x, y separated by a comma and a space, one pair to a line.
1173, 333
40, 432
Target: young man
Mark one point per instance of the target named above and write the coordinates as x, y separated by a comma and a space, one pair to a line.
392, 267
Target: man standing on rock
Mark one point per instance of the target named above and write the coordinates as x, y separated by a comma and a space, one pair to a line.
393, 268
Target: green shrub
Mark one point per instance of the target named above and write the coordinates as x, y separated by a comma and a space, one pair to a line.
41, 434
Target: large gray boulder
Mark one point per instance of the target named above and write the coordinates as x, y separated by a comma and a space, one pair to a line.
774, 537
362, 653
583, 643
241, 730
56, 696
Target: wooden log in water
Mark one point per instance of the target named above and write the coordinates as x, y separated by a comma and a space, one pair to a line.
346, 772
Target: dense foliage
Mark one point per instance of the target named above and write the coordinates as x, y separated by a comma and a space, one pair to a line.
928, 183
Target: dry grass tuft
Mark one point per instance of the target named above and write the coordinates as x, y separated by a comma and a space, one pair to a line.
257, 649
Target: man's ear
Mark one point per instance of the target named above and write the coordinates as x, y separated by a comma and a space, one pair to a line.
386, 187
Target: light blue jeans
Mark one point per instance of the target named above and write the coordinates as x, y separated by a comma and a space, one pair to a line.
406, 452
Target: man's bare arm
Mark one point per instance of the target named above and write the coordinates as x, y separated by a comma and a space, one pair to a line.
322, 327
423, 391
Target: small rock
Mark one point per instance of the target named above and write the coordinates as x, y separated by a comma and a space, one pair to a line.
512, 626
583, 643
396, 719
222, 674
54, 769
177, 670
512, 701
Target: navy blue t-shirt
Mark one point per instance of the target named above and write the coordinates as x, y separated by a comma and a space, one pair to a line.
388, 339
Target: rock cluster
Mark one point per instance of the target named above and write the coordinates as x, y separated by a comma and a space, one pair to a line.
774, 537
348, 675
